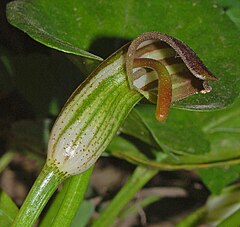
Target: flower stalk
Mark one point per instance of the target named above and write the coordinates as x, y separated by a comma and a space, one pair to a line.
45, 185
66, 203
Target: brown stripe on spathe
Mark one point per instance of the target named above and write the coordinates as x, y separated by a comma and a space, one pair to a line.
151, 47
152, 85
171, 61
166, 62
140, 72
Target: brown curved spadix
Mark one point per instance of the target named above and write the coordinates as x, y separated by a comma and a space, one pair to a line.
184, 74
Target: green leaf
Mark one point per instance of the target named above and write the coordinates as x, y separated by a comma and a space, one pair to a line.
232, 9
8, 210
5, 159
193, 219
125, 149
217, 178
175, 136
34, 18
220, 128
134, 126
70, 27
223, 130
234, 14
133, 209
83, 215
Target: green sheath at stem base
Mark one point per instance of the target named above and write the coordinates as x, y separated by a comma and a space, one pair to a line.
43, 188
66, 204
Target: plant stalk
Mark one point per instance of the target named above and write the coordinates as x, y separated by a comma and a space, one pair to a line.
139, 178
43, 188
232, 220
66, 204
6, 159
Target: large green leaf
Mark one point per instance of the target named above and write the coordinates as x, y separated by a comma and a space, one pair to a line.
176, 135
44, 21
79, 26
220, 128
217, 178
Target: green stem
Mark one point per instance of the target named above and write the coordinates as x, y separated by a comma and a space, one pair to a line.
171, 166
6, 159
139, 178
134, 209
66, 204
232, 220
43, 188
194, 218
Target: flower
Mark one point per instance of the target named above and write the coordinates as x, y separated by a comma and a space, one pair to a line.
154, 65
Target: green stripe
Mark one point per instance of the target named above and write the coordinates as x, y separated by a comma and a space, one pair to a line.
93, 101
101, 108
114, 118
